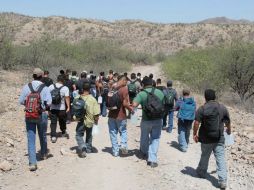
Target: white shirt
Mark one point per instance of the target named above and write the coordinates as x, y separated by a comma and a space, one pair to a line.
64, 93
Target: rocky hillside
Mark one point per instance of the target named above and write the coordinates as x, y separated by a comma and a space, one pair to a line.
132, 34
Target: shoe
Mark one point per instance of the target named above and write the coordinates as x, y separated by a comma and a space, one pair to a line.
65, 134
164, 127
53, 139
223, 185
33, 167
124, 150
115, 154
89, 151
200, 174
152, 164
82, 154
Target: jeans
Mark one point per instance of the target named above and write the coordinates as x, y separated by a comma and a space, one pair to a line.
80, 130
103, 107
31, 137
61, 116
219, 153
150, 138
116, 126
170, 121
165, 120
184, 127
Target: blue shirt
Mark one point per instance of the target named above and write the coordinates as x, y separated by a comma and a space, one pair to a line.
45, 93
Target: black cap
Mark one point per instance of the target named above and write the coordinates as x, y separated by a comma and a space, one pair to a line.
170, 83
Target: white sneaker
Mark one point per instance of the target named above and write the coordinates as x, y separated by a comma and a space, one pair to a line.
53, 139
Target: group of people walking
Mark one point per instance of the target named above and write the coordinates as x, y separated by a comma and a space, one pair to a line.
117, 97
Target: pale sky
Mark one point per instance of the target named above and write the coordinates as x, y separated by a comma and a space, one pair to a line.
165, 11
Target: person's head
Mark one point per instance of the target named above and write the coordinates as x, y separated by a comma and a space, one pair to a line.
122, 80
74, 73
61, 79
151, 76
186, 92
68, 71
37, 74
91, 72
158, 81
138, 74
83, 75
170, 83
102, 74
133, 76
46, 73
111, 72
125, 74
147, 81
86, 86
62, 72
210, 95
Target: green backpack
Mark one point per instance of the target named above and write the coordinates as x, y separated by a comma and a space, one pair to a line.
132, 88
169, 98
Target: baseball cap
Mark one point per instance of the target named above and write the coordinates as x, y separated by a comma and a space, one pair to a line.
38, 72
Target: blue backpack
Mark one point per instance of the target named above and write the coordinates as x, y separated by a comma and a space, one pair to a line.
187, 109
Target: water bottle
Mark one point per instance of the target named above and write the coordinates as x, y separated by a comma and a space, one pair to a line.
95, 130
134, 117
229, 139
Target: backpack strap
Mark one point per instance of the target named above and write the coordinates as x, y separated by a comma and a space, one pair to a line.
30, 86
41, 88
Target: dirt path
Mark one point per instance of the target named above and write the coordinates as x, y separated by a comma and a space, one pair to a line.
103, 171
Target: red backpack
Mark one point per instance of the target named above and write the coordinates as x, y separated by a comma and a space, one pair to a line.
33, 102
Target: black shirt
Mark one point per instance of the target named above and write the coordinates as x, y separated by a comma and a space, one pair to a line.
47, 81
224, 118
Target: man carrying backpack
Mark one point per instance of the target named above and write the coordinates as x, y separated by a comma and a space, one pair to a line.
103, 89
212, 116
133, 87
36, 98
117, 103
152, 102
59, 107
90, 117
171, 97
186, 107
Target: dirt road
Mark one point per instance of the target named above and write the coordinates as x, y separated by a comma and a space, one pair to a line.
102, 171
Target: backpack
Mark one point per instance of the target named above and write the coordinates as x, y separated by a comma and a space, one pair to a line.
105, 88
211, 122
187, 110
79, 108
113, 101
56, 95
169, 98
132, 89
33, 102
74, 79
154, 107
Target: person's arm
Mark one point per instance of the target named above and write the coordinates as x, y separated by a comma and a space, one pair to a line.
226, 120
126, 100
96, 119
68, 102
195, 130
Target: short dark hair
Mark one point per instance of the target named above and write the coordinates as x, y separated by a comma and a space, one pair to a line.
74, 73
125, 74
91, 72
186, 92
62, 72
46, 72
139, 74
83, 75
158, 81
210, 94
111, 72
147, 81
35, 77
86, 86
151, 76
133, 75
61, 78
102, 73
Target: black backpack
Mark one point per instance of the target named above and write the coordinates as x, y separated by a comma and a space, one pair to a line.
56, 95
113, 100
154, 107
79, 108
211, 122
105, 88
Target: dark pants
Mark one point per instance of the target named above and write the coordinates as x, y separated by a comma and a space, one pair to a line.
165, 120
61, 116
80, 131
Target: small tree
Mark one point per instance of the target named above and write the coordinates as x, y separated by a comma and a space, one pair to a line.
239, 69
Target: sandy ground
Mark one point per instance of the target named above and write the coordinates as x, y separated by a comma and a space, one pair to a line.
100, 170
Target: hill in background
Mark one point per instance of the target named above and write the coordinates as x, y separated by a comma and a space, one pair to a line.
136, 35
